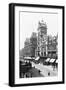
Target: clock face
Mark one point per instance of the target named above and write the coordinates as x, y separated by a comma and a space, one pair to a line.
43, 31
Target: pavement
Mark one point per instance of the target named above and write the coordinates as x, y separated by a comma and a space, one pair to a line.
35, 72
45, 70
40, 70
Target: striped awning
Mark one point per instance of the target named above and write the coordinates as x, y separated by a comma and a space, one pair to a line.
48, 59
52, 60
37, 58
57, 61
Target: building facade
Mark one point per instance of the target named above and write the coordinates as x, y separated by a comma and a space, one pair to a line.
52, 46
41, 44
46, 45
42, 39
30, 45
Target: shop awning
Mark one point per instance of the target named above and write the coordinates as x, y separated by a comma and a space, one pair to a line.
48, 59
37, 58
21, 59
27, 58
52, 60
57, 61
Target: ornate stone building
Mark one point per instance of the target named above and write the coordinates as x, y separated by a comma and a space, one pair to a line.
42, 39
46, 45
40, 44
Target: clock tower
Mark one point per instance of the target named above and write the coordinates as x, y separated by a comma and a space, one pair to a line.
42, 39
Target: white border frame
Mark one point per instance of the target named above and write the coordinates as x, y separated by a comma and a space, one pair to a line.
44, 79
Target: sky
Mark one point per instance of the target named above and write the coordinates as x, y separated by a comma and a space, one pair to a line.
29, 23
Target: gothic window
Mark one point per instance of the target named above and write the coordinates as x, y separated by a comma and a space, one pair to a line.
41, 53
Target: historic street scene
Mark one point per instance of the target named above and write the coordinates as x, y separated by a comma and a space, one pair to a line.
39, 56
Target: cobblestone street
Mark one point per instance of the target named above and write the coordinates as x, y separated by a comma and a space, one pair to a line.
45, 70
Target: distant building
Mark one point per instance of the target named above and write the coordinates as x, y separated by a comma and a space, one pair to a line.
33, 41
30, 45
52, 46
27, 48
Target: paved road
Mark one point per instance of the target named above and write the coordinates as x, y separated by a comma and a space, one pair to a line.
45, 70
35, 72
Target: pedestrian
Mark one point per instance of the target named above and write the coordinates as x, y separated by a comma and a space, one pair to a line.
48, 73
26, 75
39, 71
31, 74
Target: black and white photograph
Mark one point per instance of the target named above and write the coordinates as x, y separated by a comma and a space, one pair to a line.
38, 44
38, 52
